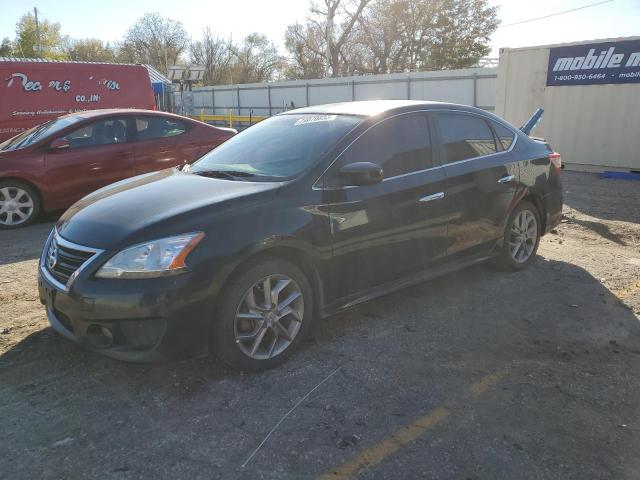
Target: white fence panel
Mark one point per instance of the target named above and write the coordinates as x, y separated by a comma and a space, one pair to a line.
474, 86
319, 94
381, 91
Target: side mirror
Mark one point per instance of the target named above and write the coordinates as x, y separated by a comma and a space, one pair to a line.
362, 173
59, 144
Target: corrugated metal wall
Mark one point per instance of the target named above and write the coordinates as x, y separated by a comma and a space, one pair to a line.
594, 127
474, 86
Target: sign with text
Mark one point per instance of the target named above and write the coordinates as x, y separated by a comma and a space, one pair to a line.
595, 63
34, 92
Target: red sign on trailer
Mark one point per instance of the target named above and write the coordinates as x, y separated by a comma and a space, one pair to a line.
34, 92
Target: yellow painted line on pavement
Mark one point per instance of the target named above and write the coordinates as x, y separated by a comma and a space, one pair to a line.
486, 383
375, 454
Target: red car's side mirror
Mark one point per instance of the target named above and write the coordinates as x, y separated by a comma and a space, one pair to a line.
59, 144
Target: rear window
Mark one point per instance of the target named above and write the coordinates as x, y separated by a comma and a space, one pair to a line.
464, 136
158, 127
505, 136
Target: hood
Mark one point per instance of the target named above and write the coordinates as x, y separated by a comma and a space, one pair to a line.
173, 201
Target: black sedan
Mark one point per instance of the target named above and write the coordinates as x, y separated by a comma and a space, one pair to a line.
305, 214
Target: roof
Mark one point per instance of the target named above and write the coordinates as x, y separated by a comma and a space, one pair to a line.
154, 75
367, 108
110, 111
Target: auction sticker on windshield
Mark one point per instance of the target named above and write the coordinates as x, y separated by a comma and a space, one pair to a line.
315, 119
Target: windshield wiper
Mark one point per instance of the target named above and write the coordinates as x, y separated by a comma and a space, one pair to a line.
226, 174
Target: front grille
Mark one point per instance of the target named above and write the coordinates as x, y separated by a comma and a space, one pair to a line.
63, 259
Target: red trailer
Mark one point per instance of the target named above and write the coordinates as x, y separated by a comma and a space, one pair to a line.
32, 92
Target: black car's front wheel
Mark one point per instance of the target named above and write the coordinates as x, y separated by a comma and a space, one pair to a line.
263, 315
521, 237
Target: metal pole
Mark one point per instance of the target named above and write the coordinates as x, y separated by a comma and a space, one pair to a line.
353, 90
306, 85
269, 98
213, 101
239, 101
408, 88
38, 44
475, 89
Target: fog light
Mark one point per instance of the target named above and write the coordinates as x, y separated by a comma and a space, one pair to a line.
99, 336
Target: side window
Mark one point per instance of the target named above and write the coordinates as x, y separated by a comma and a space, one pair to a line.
505, 136
399, 145
158, 127
101, 132
464, 136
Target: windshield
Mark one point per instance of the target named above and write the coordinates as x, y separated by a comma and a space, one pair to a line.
275, 149
37, 133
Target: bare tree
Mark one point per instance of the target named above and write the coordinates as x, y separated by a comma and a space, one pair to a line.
155, 40
215, 55
336, 36
305, 45
325, 36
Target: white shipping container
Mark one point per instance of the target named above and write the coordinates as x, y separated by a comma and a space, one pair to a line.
594, 127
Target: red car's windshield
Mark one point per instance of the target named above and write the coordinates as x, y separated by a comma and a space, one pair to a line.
37, 133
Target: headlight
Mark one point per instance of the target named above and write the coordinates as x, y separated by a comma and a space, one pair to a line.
157, 258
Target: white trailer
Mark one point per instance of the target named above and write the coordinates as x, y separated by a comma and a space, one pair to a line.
593, 123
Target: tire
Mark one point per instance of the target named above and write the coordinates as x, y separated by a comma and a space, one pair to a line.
513, 257
20, 204
240, 320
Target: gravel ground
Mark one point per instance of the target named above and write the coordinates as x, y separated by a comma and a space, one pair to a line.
477, 375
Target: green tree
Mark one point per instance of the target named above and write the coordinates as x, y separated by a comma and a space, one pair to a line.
154, 40
6, 48
89, 50
42, 42
256, 59
382, 36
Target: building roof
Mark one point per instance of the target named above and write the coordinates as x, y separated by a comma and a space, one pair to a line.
154, 75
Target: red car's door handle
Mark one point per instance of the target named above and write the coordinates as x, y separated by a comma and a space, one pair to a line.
123, 154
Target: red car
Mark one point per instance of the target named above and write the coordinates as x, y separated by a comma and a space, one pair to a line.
52, 165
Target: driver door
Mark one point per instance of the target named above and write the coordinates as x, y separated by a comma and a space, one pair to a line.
99, 153
392, 229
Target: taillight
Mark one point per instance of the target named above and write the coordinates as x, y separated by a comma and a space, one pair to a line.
556, 159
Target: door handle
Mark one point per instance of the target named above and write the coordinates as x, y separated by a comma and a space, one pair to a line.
123, 154
432, 197
507, 179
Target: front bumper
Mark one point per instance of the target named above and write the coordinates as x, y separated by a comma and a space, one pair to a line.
146, 320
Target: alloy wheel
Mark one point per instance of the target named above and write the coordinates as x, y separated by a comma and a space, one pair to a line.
269, 317
524, 235
16, 206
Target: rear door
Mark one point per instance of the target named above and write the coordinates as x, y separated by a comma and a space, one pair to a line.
100, 153
392, 229
160, 142
482, 179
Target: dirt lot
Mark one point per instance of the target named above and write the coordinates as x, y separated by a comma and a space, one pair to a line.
478, 375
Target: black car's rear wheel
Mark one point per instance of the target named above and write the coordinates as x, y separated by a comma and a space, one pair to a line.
521, 237
263, 315
19, 204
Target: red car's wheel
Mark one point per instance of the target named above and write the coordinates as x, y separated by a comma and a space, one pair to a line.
19, 204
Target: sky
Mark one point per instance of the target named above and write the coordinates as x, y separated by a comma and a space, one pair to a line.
109, 20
